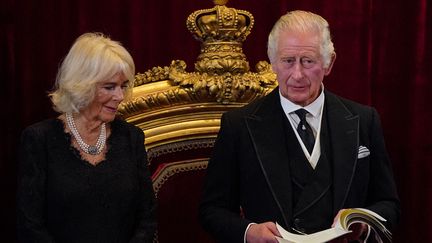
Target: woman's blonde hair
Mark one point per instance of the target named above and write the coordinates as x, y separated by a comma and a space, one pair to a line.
92, 58
302, 21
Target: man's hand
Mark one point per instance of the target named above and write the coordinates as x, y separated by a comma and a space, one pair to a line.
262, 233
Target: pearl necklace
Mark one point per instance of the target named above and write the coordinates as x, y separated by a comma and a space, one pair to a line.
89, 149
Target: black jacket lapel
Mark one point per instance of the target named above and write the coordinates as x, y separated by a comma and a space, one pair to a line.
344, 135
265, 127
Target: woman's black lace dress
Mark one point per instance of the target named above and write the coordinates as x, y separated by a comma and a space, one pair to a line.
62, 198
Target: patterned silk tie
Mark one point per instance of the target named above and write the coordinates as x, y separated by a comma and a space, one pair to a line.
305, 131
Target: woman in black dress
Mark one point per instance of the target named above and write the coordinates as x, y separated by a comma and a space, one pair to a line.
83, 175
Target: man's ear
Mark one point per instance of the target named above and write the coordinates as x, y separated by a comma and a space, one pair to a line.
272, 67
329, 68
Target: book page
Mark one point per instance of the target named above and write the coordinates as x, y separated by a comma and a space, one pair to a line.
346, 218
318, 237
371, 213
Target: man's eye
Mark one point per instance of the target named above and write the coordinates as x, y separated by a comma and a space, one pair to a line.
289, 61
307, 62
109, 87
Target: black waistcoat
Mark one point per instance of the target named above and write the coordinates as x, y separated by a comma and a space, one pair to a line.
312, 188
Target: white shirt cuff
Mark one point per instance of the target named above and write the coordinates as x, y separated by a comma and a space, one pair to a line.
247, 228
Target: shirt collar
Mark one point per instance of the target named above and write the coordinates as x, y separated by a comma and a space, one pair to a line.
313, 108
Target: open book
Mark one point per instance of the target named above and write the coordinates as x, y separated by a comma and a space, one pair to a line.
345, 220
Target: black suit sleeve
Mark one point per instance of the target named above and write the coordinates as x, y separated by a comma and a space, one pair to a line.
382, 194
220, 207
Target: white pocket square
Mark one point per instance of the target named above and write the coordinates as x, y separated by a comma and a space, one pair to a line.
363, 152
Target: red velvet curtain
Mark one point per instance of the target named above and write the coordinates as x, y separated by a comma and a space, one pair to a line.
384, 59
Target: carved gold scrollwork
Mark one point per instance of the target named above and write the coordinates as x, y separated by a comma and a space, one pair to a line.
227, 87
152, 75
222, 74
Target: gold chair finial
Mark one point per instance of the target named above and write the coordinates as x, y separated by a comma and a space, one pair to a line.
222, 31
220, 2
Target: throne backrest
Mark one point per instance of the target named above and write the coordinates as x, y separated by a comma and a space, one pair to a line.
180, 112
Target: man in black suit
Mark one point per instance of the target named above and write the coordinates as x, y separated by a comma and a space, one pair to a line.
299, 155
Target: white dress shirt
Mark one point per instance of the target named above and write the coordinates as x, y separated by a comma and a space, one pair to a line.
313, 117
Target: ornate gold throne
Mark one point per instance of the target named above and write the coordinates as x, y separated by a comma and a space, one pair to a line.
180, 112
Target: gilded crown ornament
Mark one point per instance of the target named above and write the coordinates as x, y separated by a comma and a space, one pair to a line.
221, 74
222, 31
